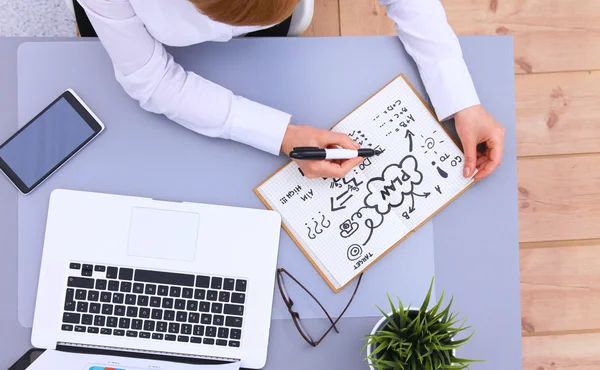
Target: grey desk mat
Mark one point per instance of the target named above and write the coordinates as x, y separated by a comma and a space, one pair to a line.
145, 154
478, 263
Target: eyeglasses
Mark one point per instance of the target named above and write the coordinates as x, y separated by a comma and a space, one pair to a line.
296, 316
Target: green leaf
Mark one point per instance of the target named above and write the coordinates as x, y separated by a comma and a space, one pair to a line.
465, 360
437, 306
389, 320
377, 350
403, 317
394, 310
447, 310
453, 367
425, 304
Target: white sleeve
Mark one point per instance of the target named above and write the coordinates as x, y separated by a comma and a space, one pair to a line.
424, 30
148, 74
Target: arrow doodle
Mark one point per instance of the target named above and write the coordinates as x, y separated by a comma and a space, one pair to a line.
341, 205
409, 135
411, 209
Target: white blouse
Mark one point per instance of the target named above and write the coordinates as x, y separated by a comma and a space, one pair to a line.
134, 32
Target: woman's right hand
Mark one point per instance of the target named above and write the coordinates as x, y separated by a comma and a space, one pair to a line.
296, 136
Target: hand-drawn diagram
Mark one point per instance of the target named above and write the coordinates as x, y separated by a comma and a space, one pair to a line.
337, 203
361, 139
347, 228
401, 123
429, 143
366, 163
297, 190
371, 220
409, 135
290, 194
395, 114
319, 226
361, 224
456, 161
442, 173
411, 208
396, 182
390, 108
351, 182
354, 252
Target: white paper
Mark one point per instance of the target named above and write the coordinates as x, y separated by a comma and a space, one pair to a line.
59, 360
346, 224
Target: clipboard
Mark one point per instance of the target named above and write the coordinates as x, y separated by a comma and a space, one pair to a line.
372, 262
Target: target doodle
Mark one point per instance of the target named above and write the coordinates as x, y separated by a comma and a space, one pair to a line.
354, 252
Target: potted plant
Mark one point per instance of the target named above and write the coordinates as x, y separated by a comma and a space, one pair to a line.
416, 338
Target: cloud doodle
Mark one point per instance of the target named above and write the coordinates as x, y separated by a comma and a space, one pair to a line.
396, 182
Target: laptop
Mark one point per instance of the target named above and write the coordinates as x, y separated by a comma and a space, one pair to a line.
142, 276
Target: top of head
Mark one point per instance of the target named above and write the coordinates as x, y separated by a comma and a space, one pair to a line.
247, 12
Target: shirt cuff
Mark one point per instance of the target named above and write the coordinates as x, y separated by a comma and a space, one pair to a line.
450, 88
257, 125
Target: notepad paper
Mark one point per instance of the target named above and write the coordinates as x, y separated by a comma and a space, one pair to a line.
344, 225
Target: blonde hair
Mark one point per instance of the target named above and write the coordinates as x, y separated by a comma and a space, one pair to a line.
246, 12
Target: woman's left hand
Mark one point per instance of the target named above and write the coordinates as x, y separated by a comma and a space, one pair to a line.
475, 126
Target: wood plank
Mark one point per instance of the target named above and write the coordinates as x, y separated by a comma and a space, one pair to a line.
560, 13
562, 352
543, 48
559, 198
557, 113
560, 288
326, 19
364, 18
550, 35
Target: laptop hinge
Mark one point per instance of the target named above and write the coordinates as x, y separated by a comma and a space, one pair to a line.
142, 353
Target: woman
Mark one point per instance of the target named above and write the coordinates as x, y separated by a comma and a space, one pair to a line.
134, 31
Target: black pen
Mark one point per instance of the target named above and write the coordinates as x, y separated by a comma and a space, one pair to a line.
314, 153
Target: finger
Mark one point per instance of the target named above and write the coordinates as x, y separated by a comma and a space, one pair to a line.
484, 171
310, 169
338, 138
351, 163
496, 149
309, 173
487, 168
334, 170
470, 147
481, 161
331, 170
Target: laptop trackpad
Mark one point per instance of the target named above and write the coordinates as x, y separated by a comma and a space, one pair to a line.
163, 234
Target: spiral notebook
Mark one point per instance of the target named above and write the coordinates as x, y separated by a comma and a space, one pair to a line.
343, 226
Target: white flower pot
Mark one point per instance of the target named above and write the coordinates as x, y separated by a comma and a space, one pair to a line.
380, 325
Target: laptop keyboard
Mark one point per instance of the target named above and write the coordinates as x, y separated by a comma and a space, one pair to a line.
154, 305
